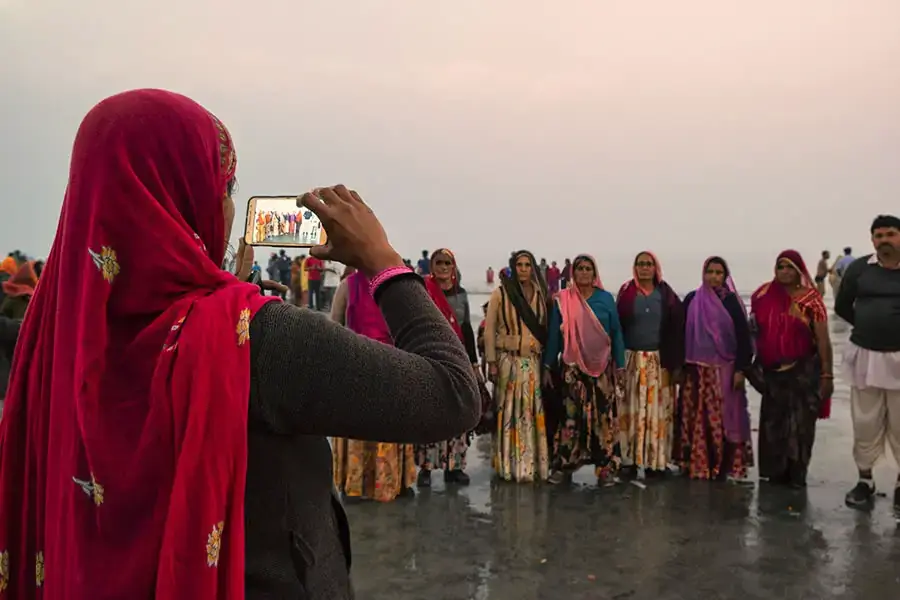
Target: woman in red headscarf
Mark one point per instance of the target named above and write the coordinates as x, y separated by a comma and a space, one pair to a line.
793, 371
652, 318
143, 429
453, 301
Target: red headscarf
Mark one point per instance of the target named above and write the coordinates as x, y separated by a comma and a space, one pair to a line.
22, 283
437, 293
785, 332
123, 444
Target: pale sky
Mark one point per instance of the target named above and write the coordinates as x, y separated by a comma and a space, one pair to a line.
694, 127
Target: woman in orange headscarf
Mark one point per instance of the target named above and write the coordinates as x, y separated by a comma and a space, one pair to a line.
18, 291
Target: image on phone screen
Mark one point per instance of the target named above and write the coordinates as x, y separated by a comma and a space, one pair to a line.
278, 221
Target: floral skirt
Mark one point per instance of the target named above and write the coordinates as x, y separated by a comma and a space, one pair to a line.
704, 453
646, 412
589, 432
787, 422
449, 456
520, 451
372, 470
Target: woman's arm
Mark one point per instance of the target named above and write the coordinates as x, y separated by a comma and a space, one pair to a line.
744, 357
615, 333
490, 328
554, 338
469, 341
311, 376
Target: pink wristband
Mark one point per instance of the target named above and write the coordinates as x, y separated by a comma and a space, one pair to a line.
386, 275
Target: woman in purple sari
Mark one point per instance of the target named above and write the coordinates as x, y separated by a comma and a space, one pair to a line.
715, 420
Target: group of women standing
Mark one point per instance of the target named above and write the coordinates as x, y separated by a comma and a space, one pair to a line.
634, 385
384, 471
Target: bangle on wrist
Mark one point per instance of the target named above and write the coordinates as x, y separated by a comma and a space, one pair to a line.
827, 376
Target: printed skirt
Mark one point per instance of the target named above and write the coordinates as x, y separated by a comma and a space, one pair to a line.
520, 451
589, 432
372, 470
646, 412
704, 453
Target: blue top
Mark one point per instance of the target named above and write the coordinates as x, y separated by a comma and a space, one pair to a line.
843, 262
604, 306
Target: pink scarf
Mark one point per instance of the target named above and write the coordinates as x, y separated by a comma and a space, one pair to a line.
585, 342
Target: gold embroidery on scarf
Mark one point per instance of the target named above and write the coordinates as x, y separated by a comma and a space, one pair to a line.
214, 544
107, 262
93, 489
227, 156
39, 568
4, 570
243, 327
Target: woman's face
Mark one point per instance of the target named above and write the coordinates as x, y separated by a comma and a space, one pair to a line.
785, 273
584, 273
645, 267
714, 276
442, 267
524, 268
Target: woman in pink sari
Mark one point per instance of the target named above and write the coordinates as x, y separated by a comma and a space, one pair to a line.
585, 334
715, 420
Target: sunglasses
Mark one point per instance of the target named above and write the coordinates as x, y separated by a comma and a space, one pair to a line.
644, 263
784, 267
523, 265
585, 268
443, 263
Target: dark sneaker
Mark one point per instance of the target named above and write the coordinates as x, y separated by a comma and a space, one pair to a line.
897, 502
424, 479
556, 478
861, 497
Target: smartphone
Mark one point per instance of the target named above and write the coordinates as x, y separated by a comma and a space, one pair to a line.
278, 221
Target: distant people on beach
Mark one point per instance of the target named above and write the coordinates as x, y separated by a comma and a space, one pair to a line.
822, 270
869, 299
423, 267
489, 276
836, 274
565, 276
553, 277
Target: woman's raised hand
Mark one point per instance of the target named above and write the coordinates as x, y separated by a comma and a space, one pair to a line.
355, 235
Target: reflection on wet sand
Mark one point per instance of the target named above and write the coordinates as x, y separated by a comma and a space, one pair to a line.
676, 539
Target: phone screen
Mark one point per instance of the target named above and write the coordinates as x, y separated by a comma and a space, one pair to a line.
278, 221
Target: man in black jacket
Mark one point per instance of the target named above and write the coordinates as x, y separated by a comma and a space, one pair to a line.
869, 299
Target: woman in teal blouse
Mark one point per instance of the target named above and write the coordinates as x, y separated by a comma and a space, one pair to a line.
585, 346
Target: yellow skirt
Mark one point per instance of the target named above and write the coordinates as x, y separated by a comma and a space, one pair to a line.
373, 470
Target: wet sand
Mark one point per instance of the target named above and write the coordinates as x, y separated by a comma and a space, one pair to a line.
676, 539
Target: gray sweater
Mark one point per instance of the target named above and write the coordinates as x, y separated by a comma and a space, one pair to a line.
312, 378
869, 299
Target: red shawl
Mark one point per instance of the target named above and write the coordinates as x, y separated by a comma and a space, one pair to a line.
22, 283
123, 444
437, 293
785, 323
